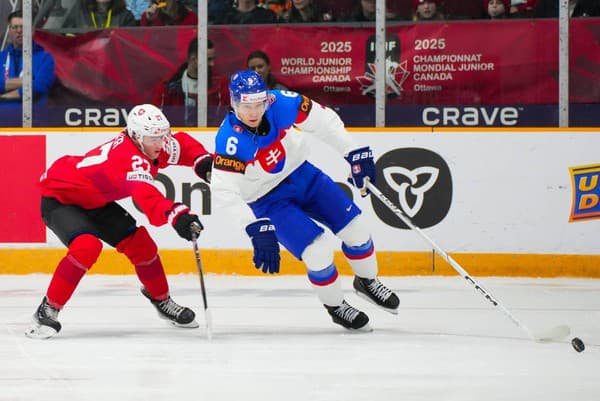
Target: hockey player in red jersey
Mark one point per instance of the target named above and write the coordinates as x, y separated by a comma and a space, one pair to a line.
79, 195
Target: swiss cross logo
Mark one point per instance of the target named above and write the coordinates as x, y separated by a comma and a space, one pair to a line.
272, 157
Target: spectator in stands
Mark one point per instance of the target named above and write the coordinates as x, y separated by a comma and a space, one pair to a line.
279, 7
496, 9
181, 89
306, 11
217, 9
522, 8
577, 8
364, 11
427, 10
42, 74
259, 61
137, 8
168, 12
191, 4
247, 12
99, 14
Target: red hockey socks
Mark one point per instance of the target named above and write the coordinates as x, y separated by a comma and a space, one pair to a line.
83, 253
143, 253
152, 276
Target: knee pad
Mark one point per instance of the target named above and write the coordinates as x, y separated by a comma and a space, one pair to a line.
355, 233
318, 255
85, 249
139, 247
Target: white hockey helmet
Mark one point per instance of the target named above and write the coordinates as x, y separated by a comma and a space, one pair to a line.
147, 120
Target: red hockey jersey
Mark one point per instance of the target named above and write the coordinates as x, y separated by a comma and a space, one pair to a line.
116, 170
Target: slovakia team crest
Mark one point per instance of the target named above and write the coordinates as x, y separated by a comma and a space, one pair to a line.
272, 157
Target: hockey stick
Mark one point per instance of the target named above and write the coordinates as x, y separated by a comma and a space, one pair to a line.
196, 229
552, 334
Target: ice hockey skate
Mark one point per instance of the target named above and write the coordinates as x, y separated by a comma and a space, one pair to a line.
349, 317
175, 314
44, 321
375, 292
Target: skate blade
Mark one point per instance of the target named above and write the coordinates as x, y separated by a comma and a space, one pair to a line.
191, 325
40, 332
366, 298
365, 329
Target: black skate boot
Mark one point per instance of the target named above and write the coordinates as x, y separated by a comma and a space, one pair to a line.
169, 310
44, 320
349, 317
375, 292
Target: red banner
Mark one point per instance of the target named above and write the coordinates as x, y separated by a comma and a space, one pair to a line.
458, 63
20, 200
585, 60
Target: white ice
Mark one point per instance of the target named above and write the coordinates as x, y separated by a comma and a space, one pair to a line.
272, 340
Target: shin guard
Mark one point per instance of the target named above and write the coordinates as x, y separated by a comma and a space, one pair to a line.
141, 250
83, 252
327, 286
322, 273
358, 248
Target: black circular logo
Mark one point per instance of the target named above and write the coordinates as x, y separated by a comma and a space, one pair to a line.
418, 182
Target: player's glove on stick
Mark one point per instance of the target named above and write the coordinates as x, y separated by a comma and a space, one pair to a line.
203, 166
181, 219
362, 166
266, 247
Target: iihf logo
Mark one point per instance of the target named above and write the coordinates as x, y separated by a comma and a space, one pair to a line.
395, 70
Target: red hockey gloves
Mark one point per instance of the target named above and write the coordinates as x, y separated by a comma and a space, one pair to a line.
266, 247
203, 166
362, 166
181, 219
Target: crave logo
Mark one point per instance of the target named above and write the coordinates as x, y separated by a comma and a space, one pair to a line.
586, 192
418, 182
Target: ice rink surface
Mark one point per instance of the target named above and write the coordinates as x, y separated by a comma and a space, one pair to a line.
272, 340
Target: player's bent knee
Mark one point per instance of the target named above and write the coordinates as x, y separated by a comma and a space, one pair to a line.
85, 249
139, 247
355, 233
318, 255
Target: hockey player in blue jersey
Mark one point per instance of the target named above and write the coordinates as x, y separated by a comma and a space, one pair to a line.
260, 160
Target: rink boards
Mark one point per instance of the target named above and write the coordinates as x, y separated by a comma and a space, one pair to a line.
502, 202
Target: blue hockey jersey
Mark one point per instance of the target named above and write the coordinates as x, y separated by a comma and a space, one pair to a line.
247, 166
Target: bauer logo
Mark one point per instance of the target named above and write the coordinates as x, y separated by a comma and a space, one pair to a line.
586, 192
417, 181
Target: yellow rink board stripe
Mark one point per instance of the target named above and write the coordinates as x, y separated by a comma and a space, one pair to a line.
239, 262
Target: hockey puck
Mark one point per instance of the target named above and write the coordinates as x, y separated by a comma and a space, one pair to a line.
577, 344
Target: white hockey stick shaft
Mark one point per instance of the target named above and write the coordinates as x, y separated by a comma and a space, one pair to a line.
207, 318
553, 334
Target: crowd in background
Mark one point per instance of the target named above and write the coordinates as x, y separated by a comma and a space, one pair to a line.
180, 88
95, 14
